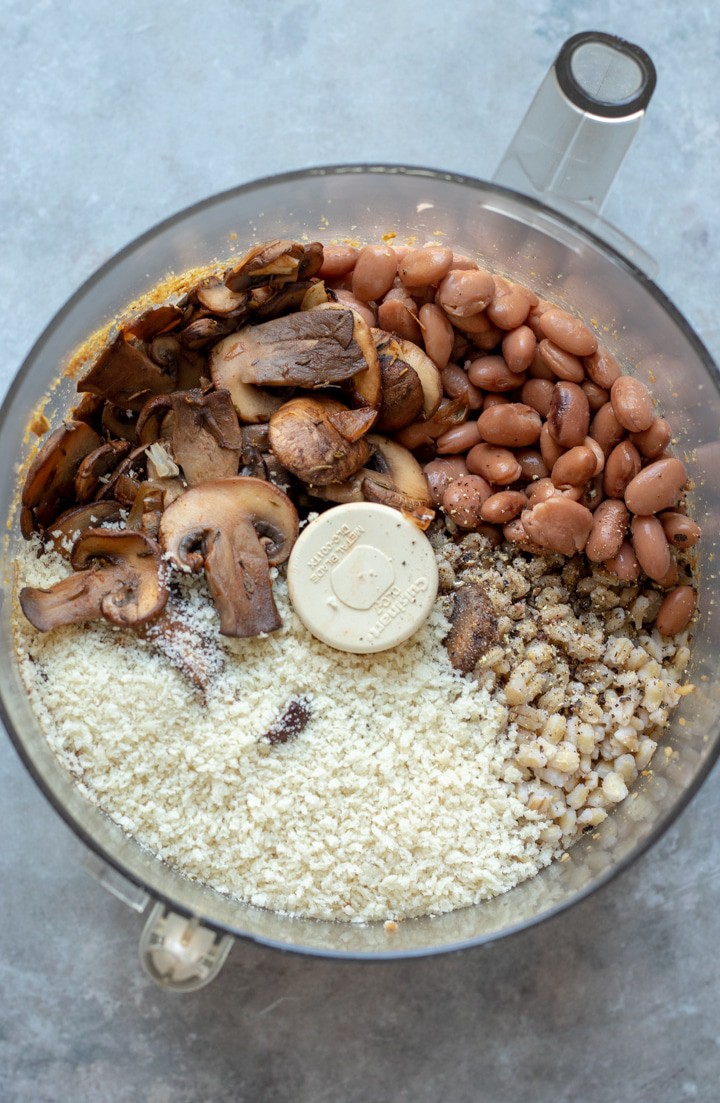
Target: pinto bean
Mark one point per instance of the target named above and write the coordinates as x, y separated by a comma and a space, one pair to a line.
514, 532
428, 265
671, 578
650, 546
602, 368
540, 370
495, 400
338, 260
532, 464
658, 486
510, 304
533, 318
513, 425
624, 565
518, 348
595, 395
374, 272
491, 373
569, 415
440, 473
559, 524
680, 531
653, 441
610, 524
437, 334
621, 467
632, 403
465, 292
540, 491
498, 465
366, 312
463, 263
551, 451
562, 364
676, 611
502, 507
598, 453
538, 394
459, 439
463, 499
456, 384
574, 467
568, 332
606, 429
592, 493
398, 315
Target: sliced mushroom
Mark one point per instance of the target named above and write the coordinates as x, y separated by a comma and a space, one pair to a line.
216, 526
146, 510
125, 375
219, 299
283, 301
206, 440
124, 483
430, 380
277, 261
119, 423
71, 524
402, 394
314, 348
102, 461
155, 420
307, 443
365, 388
178, 360
450, 412
150, 323
474, 627
399, 481
312, 260
253, 405
50, 482
90, 409
119, 578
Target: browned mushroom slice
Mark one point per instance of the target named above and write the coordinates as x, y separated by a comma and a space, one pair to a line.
50, 482
146, 510
119, 423
353, 424
349, 491
450, 412
201, 331
151, 322
90, 409
306, 442
206, 440
252, 404
155, 420
402, 394
187, 365
79, 519
118, 578
365, 388
312, 260
124, 483
218, 525
399, 481
219, 299
283, 301
474, 627
275, 261
399, 349
315, 348
102, 461
125, 375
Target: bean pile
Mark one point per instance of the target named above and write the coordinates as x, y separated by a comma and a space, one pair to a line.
555, 449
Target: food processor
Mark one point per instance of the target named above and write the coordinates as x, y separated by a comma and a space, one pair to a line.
539, 222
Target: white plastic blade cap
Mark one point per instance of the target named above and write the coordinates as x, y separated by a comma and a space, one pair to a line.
362, 577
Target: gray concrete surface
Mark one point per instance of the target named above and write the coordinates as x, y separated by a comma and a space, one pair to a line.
116, 115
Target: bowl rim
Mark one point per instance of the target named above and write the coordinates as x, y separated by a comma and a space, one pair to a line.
376, 168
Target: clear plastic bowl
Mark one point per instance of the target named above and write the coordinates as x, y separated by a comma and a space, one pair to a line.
510, 234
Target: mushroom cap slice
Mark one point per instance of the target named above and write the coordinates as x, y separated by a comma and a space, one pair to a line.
474, 627
125, 375
119, 577
277, 261
216, 297
304, 437
101, 461
206, 440
399, 483
430, 380
365, 388
402, 394
252, 404
312, 348
216, 526
75, 521
50, 481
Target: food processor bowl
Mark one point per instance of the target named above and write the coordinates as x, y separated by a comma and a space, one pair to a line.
548, 247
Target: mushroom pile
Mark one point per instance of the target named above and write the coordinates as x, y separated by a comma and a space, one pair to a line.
207, 428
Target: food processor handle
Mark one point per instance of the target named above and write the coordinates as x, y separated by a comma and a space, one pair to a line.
577, 130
